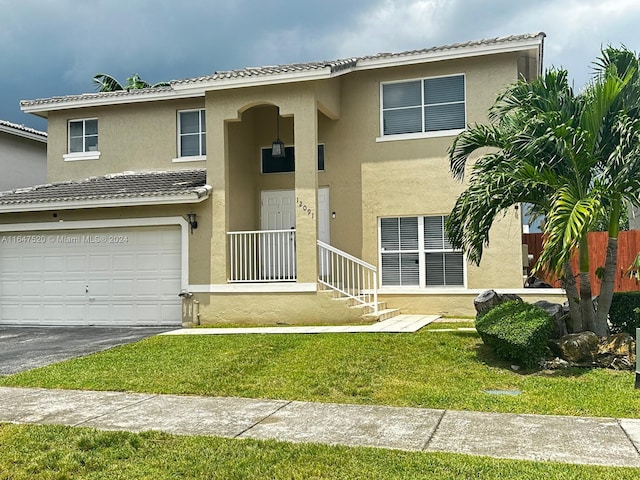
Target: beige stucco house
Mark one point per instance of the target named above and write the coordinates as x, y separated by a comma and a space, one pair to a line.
255, 195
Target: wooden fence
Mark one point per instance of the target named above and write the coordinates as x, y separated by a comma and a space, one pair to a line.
628, 248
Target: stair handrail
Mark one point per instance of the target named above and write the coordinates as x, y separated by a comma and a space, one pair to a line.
366, 288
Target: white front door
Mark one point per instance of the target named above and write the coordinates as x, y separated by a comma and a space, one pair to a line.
279, 213
278, 249
324, 233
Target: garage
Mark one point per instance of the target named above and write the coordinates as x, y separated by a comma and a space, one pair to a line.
91, 276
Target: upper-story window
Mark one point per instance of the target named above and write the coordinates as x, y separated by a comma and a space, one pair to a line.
83, 140
192, 135
423, 107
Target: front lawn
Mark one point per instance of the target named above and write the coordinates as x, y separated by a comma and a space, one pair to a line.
57, 452
446, 370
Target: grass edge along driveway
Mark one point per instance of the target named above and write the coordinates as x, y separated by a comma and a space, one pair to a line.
444, 370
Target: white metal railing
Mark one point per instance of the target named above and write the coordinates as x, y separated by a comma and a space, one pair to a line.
262, 256
348, 275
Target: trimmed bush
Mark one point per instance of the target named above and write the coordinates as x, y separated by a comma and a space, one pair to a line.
516, 331
624, 313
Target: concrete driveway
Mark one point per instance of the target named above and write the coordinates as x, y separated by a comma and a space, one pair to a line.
24, 348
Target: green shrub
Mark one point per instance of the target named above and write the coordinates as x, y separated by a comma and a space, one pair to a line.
623, 314
516, 331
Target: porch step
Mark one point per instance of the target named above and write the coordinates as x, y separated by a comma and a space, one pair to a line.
382, 315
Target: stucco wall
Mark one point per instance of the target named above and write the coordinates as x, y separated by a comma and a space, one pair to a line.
367, 178
23, 162
132, 137
313, 308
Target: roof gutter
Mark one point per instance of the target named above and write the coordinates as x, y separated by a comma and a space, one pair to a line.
24, 134
452, 54
189, 198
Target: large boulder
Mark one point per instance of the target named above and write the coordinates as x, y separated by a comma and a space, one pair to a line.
490, 298
576, 347
617, 351
555, 311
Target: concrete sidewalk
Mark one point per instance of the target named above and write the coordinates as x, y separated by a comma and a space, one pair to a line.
397, 324
596, 441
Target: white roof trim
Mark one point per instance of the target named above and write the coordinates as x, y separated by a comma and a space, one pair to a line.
451, 54
93, 101
104, 203
39, 137
200, 87
197, 88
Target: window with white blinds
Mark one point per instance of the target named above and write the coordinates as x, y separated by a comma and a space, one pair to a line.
415, 251
424, 105
192, 133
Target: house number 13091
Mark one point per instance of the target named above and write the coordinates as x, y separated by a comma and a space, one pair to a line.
304, 207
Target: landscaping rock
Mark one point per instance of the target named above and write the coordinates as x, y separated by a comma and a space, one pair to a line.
490, 298
555, 311
555, 364
617, 351
621, 344
576, 347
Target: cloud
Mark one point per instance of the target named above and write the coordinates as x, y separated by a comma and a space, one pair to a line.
54, 47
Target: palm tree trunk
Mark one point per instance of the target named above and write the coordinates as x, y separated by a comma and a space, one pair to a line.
609, 274
569, 285
606, 289
586, 300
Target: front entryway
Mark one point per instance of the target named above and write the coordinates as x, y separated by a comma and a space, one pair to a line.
278, 211
278, 214
102, 276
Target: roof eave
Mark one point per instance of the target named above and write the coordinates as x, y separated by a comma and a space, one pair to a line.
42, 109
21, 133
189, 198
185, 90
258, 80
454, 53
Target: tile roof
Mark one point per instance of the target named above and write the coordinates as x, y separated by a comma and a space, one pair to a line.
22, 128
334, 66
344, 64
114, 186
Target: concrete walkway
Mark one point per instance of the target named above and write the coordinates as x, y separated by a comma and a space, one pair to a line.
397, 324
597, 441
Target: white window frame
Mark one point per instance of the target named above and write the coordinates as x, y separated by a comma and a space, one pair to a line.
423, 134
421, 251
84, 154
201, 130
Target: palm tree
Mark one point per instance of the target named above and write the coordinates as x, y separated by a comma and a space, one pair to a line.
563, 153
107, 83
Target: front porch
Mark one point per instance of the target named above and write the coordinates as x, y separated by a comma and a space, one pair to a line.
270, 256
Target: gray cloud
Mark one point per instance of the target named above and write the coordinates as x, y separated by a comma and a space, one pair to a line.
54, 47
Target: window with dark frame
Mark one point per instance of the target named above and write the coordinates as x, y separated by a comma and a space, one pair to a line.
286, 164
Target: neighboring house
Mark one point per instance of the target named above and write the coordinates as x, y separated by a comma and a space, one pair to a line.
182, 190
634, 218
23, 156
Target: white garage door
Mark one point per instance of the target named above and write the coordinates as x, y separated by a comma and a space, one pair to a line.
115, 276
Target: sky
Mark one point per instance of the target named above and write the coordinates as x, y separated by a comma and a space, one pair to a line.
55, 47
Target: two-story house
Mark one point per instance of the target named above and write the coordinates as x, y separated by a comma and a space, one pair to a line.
253, 193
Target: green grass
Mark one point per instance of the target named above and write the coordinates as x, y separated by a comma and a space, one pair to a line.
61, 453
447, 370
